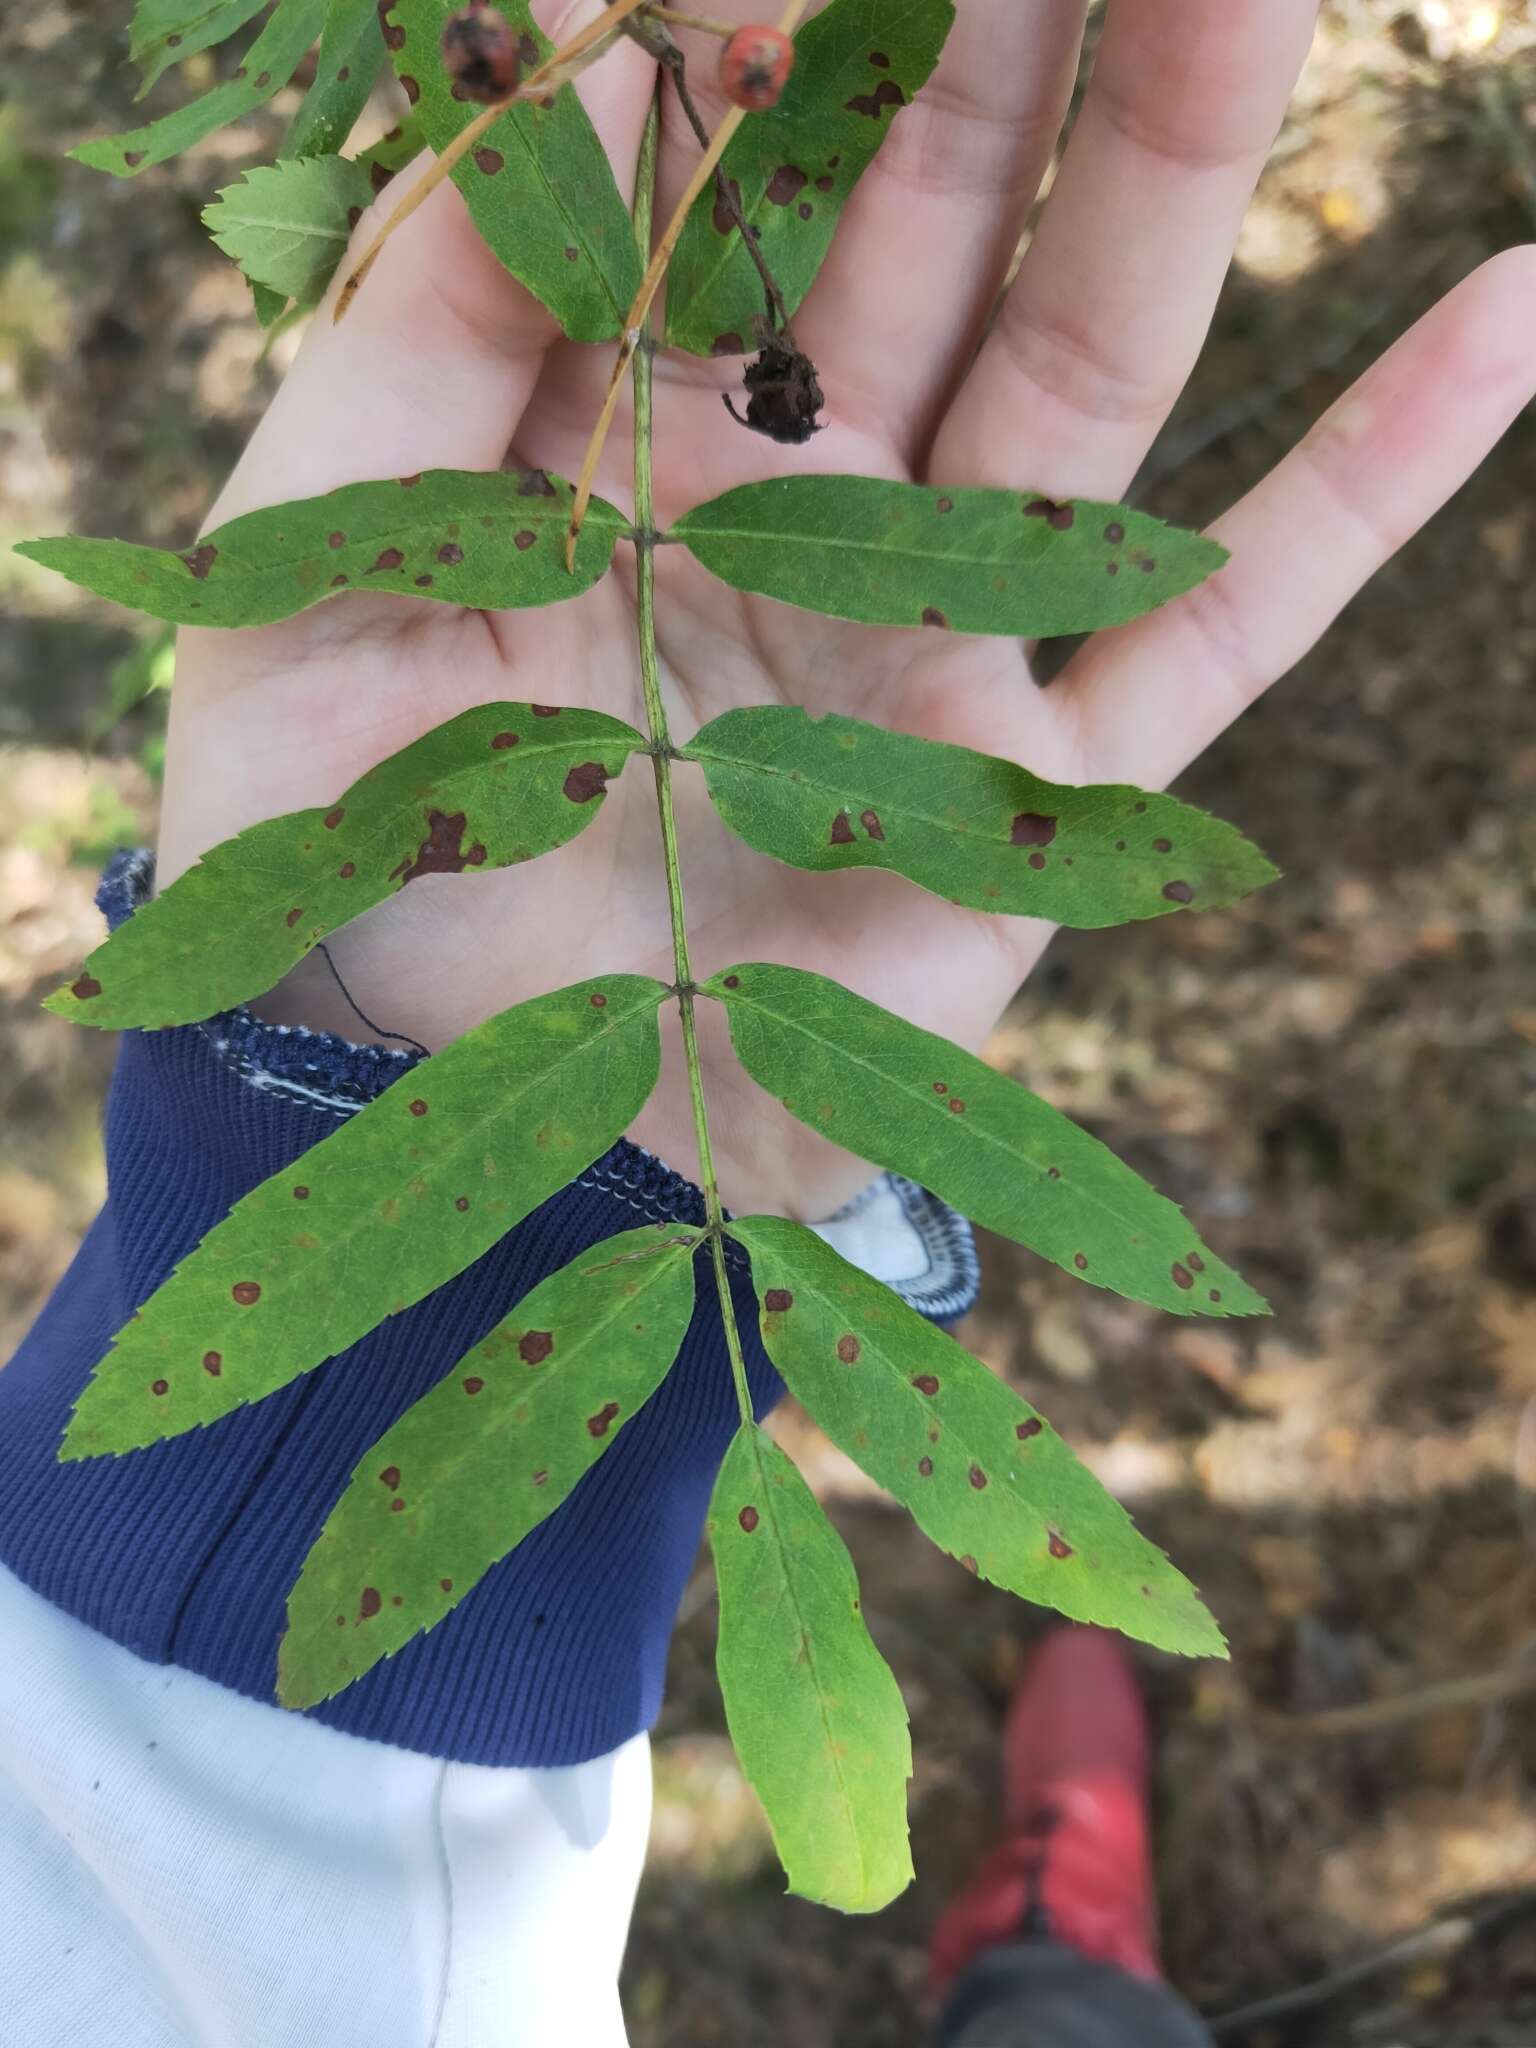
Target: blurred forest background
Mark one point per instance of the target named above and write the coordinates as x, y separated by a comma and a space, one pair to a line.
1338, 1079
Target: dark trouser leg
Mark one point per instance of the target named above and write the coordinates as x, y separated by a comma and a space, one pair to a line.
1039, 1996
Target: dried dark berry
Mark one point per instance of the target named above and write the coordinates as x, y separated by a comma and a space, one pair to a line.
755, 66
480, 55
784, 394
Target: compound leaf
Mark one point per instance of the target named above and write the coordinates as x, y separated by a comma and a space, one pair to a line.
167, 32
497, 1445
815, 1714
918, 1105
498, 785
539, 184
831, 793
392, 1205
978, 1469
796, 165
455, 536
350, 58
269, 64
974, 561
287, 224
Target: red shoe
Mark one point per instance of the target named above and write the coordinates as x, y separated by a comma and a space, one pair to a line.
1074, 1866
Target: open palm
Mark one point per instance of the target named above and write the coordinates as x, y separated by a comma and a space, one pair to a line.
445, 361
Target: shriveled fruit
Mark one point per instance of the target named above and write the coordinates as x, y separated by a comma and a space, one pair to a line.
755, 67
480, 55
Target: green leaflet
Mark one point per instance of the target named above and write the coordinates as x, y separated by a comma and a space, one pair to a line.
814, 1712
457, 536
538, 184
167, 32
287, 224
980, 1472
796, 166
831, 793
890, 554
269, 64
350, 60
920, 1106
498, 785
392, 1205
392, 152
466, 1473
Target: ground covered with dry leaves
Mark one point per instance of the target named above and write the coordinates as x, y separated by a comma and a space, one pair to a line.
1337, 1080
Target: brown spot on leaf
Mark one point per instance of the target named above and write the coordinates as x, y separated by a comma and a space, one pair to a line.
446, 1585
160, 1387
1037, 861
1162, 846
545, 710
390, 558
1182, 1276
450, 554
786, 184
1053, 1173
777, 1300
246, 1292
370, 1603
599, 1424
425, 582
301, 1194
390, 1477
870, 820
1080, 1260
418, 1107
1215, 1294
925, 1467
490, 161
540, 1478
535, 483
956, 1106
133, 158
925, 1383
1114, 533
728, 345
978, 1478
1194, 1262
825, 184
1178, 892
1032, 828
379, 175
1026, 1430
294, 915
941, 1087
201, 560
443, 851
411, 87
1059, 1546
586, 781
848, 1349
86, 987
842, 830
474, 1386
338, 581
748, 1519
731, 981
502, 740
932, 616
213, 1363
535, 1347
970, 1565
525, 540
1148, 566
805, 210
347, 870
397, 1507
336, 540
886, 94
461, 1203
409, 483
1060, 518
945, 505
880, 60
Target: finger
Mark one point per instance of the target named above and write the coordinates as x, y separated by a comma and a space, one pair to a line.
1103, 325
925, 240
436, 359
1144, 700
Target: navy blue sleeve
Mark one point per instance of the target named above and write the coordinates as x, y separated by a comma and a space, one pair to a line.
185, 1551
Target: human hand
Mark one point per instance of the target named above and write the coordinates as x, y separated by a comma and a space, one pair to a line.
445, 361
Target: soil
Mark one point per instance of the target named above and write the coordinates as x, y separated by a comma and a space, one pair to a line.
1335, 1079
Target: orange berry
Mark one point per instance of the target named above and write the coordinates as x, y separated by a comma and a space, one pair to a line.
755, 67
480, 55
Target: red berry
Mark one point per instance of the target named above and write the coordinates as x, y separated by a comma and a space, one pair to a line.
480, 55
755, 67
